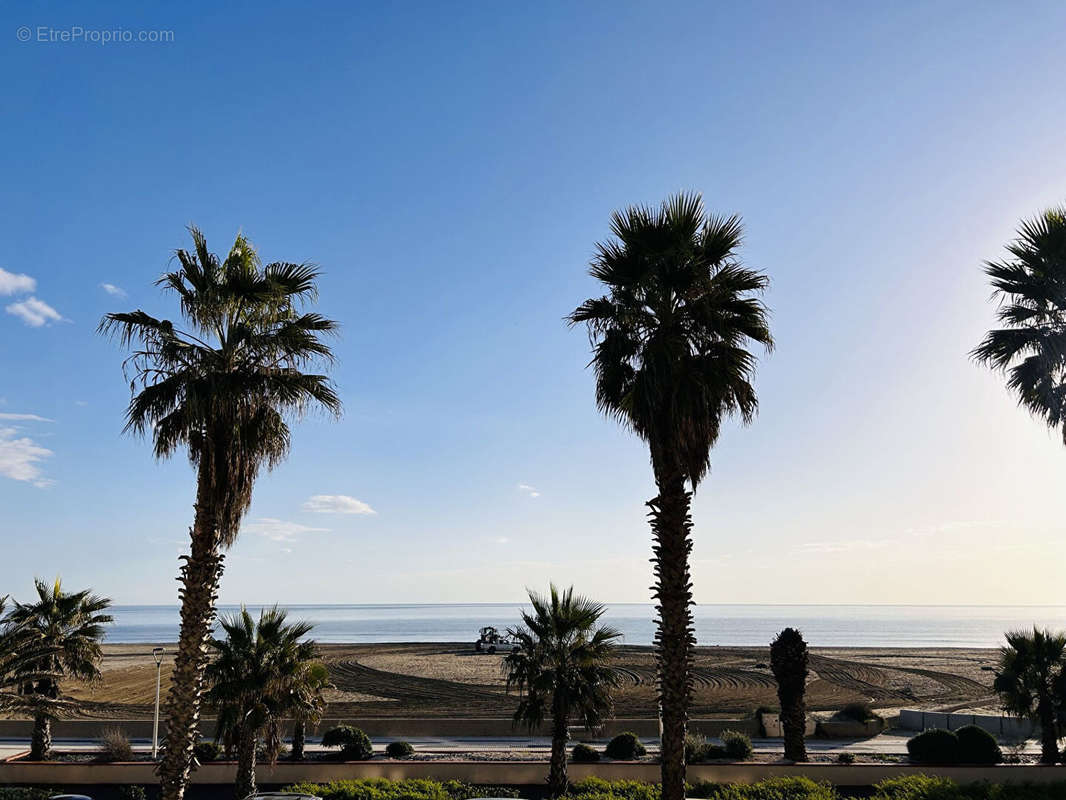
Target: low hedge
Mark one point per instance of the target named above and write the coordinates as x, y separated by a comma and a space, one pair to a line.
967, 745
584, 754
411, 789
625, 747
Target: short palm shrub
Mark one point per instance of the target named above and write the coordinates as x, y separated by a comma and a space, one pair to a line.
978, 746
353, 743
583, 754
858, 712
934, 746
115, 745
399, 749
737, 745
206, 750
625, 747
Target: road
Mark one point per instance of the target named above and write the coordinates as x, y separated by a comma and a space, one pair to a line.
888, 743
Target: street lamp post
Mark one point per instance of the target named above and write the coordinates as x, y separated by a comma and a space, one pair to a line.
158, 652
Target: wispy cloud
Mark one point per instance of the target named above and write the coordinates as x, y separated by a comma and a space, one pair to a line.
845, 545
34, 312
529, 491
337, 504
114, 291
20, 458
12, 283
23, 417
949, 527
278, 530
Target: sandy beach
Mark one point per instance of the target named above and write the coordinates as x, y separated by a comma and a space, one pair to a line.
450, 680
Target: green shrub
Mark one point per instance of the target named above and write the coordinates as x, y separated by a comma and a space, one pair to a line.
25, 793
846, 758
132, 792
934, 746
206, 750
412, 789
978, 746
399, 749
625, 747
600, 789
695, 748
737, 745
772, 789
354, 744
859, 712
583, 754
115, 745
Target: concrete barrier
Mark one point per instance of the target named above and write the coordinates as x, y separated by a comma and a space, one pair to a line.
1002, 726
511, 772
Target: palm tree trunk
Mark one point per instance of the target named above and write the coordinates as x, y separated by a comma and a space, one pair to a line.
794, 722
1049, 735
245, 784
558, 782
41, 744
299, 735
200, 575
671, 526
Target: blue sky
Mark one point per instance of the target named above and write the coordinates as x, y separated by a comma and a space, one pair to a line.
450, 167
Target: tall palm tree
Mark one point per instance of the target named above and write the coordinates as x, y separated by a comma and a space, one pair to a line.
562, 667
224, 388
253, 683
1031, 346
1030, 681
788, 660
70, 625
308, 703
670, 350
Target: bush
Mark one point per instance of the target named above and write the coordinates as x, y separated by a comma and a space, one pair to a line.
846, 758
412, 789
115, 745
737, 745
132, 792
206, 750
25, 793
399, 749
600, 789
772, 789
934, 746
978, 746
625, 747
583, 754
695, 748
859, 712
354, 744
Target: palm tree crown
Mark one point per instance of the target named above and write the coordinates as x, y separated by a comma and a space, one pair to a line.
1030, 682
1031, 346
71, 625
670, 337
224, 386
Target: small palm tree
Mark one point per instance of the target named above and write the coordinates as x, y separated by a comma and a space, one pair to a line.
671, 352
254, 682
70, 625
1030, 682
561, 666
308, 703
788, 660
224, 388
1029, 348
26, 660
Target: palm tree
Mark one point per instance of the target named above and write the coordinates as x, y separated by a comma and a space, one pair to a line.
1030, 682
670, 350
561, 666
308, 703
788, 660
70, 625
253, 683
223, 388
1031, 346
26, 659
